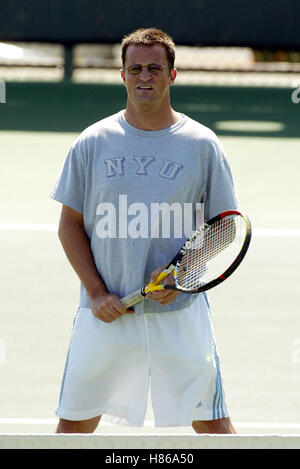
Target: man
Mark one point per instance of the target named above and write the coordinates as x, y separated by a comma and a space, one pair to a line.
117, 174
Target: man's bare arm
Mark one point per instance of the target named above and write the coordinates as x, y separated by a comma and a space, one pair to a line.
76, 245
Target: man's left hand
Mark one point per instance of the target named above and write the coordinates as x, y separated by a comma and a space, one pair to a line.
164, 297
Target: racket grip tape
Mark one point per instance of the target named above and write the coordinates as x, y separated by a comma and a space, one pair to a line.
138, 296
132, 299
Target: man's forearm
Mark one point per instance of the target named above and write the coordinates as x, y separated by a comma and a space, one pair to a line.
76, 245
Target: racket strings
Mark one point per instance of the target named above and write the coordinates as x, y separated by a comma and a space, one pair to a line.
211, 253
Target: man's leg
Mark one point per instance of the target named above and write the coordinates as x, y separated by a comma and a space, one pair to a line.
214, 426
81, 426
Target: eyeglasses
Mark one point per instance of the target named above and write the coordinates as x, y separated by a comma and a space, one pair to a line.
153, 69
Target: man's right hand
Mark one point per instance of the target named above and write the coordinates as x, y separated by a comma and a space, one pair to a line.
107, 307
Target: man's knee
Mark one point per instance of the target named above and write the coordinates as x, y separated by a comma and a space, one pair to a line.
214, 426
78, 426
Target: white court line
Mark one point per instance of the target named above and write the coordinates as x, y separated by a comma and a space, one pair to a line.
259, 232
150, 423
278, 233
14, 226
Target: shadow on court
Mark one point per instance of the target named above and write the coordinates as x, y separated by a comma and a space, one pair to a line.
70, 107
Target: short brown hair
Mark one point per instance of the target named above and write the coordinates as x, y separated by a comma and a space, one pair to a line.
150, 37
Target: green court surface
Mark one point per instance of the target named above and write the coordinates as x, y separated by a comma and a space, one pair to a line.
255, 312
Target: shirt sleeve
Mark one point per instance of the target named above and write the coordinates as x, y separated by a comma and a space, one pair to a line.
69, 188
221, 193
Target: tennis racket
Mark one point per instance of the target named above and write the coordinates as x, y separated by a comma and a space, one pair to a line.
208, 257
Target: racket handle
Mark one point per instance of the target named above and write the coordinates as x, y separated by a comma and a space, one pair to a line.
137, 296
132, 299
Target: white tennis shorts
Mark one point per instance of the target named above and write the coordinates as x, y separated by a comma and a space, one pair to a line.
110, 368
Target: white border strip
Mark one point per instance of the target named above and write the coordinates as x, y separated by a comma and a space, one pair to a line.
133, 441
259, 232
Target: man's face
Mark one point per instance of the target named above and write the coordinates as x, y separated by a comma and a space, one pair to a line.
146, 87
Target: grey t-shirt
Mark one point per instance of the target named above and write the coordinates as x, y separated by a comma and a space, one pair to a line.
141, 193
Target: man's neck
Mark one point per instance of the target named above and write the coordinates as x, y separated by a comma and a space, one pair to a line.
151, 120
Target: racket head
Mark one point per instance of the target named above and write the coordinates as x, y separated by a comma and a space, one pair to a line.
213, 252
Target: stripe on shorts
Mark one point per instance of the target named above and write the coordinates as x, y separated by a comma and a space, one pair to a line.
218, 401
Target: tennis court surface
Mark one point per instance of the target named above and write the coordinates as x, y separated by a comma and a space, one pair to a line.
255, 312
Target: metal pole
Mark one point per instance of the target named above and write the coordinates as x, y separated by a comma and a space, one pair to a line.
68, 65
